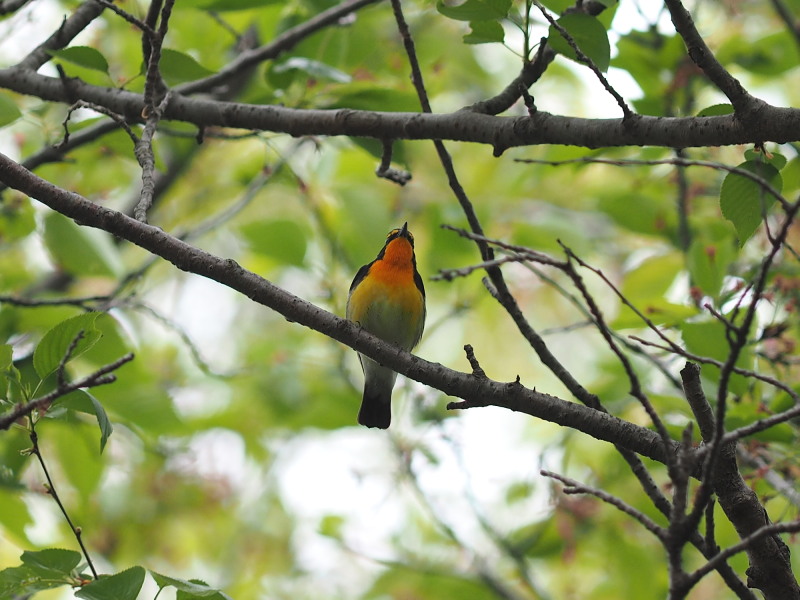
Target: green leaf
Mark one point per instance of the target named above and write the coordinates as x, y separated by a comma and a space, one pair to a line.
653, 277
716, 110
588, 34
484, 32
51, 561
475, 10
121, 586
85, 402
6, 353
14, 514
313, 68
17, 217
282, 240
558, 6
80, 250
177, 67
23, 581
55, 343
331, 526
770, 56
538, 539
188, 589
9, 112
361, 95
744, 201
658, 310
756, 155
708, 264
211, 595
83, 56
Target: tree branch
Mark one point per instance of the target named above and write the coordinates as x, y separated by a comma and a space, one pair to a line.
771, 124
474, 392
743, 103
100, 377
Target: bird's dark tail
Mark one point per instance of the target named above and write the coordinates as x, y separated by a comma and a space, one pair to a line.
376, 409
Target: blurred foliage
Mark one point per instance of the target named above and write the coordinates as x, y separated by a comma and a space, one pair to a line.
234, 456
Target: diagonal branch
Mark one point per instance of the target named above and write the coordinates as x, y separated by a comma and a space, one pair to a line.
743, 103
102, 376
475, 392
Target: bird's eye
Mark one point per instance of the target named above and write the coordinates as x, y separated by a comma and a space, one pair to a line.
410, 237
392, 233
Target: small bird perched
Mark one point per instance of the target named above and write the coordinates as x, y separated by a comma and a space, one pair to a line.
387, 299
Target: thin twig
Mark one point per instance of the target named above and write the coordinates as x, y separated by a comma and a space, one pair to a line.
581, 56
679, 162
385, 169
51, 489
118, 119
575, 487
82, 302
636, 388
141, 25
102, 376
767, 530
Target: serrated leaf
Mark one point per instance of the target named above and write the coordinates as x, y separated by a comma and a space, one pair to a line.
756, 155
213, 595
51, 561
744, 201
83, 56
121, 586
314, 68
475, 10
192, 589
23, 581
177, 67
80, 250
55, 343
9, 112
282, 240
588, 34
484, 32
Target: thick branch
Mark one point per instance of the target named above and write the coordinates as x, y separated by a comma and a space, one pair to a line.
477, 392
774, 124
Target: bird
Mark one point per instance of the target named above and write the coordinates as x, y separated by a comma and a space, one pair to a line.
387, 298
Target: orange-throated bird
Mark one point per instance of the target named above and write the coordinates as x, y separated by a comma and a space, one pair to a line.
387, 299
